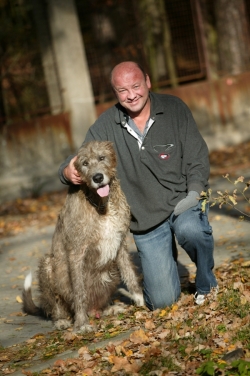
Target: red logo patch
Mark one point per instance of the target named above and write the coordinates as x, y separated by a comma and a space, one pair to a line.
164, 156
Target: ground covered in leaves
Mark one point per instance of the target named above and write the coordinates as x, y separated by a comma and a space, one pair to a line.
184, 339
213, 339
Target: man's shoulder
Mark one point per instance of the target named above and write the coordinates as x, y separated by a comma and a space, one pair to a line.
166, 98
110, 111
162, 102
110, 115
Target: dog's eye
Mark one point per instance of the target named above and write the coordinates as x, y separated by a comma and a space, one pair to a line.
85, 163
101, 158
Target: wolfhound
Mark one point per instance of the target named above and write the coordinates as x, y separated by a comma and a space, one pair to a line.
89, 255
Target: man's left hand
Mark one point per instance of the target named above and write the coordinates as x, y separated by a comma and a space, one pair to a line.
187, 203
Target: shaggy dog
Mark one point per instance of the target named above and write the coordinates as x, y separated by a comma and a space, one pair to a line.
89, 254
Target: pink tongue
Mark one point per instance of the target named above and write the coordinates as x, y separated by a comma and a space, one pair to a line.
103, 191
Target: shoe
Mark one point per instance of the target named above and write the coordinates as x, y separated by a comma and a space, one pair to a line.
201, 298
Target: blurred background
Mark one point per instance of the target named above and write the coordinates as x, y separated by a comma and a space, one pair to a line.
55, 61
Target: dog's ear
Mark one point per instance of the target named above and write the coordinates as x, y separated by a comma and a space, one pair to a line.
110, 146
111, 149
76, 164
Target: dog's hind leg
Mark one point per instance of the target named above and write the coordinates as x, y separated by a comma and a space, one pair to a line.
129, 276
51, 302
60, 315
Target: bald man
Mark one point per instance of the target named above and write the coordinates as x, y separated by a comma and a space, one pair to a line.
163, 166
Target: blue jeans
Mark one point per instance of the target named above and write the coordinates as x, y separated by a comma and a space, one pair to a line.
157, 251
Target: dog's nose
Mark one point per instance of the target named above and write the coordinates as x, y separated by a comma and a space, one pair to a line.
98, 178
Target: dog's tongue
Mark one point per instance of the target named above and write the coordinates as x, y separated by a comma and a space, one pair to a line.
103, 191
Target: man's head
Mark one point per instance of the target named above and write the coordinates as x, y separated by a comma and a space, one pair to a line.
131, 86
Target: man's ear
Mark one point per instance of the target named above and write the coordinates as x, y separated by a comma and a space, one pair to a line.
148, 82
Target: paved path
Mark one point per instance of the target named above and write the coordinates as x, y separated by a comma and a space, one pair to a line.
20, 253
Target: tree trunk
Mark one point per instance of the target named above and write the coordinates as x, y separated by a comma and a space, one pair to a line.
233, 36
48, 58
157, 40
167, 45
72, 65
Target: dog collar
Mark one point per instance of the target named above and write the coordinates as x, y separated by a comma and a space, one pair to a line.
99, 207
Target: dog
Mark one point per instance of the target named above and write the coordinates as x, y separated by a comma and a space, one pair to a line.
89, 255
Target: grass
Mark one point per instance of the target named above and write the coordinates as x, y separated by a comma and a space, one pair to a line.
164, 362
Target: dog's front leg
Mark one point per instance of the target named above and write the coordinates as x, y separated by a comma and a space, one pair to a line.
128, 275
81, 321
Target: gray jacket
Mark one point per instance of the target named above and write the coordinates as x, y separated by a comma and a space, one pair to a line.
172, 160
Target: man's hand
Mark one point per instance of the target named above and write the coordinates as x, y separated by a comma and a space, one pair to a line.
187, 203
71, 174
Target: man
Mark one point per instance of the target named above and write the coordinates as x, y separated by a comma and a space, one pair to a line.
163, 167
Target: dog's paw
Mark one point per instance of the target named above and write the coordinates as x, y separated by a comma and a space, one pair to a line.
138, 299
86, 328
62, 324
114, 309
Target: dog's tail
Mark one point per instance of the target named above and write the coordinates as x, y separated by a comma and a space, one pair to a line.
136, 297
28, 304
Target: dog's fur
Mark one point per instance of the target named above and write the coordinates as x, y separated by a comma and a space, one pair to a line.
89, 252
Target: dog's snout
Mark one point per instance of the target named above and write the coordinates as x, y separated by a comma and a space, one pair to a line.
98, 178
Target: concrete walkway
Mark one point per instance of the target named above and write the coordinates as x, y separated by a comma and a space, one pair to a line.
20, 253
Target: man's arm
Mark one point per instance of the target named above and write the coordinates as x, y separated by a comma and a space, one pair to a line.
62, 167
196, 159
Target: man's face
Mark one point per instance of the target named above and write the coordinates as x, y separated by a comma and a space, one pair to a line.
131, 89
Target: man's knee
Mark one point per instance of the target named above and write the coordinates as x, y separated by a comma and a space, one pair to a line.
192, 226
162, 299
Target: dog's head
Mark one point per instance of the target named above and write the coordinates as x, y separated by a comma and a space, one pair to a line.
96, 164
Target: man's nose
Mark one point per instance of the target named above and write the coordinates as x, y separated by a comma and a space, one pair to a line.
131, 94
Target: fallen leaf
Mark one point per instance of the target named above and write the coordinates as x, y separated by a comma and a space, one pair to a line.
164, 333
4, 358
139, 336
84, 353
69, 336
31, 340
243, 300
38, 335
162, 313
238, 286
174, 307
87, 372
149, 324
124, 364
21, 277
18, 313
19, 299
245, 264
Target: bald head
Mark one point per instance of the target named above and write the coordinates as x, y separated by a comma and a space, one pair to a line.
124, 68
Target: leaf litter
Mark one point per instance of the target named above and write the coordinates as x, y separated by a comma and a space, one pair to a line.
175, 340
180, 340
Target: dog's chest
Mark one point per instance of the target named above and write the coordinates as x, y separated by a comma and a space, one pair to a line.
110, 238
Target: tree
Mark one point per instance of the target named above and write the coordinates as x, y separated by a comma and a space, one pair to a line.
47, 56
233, 36
158, 43
67, 45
